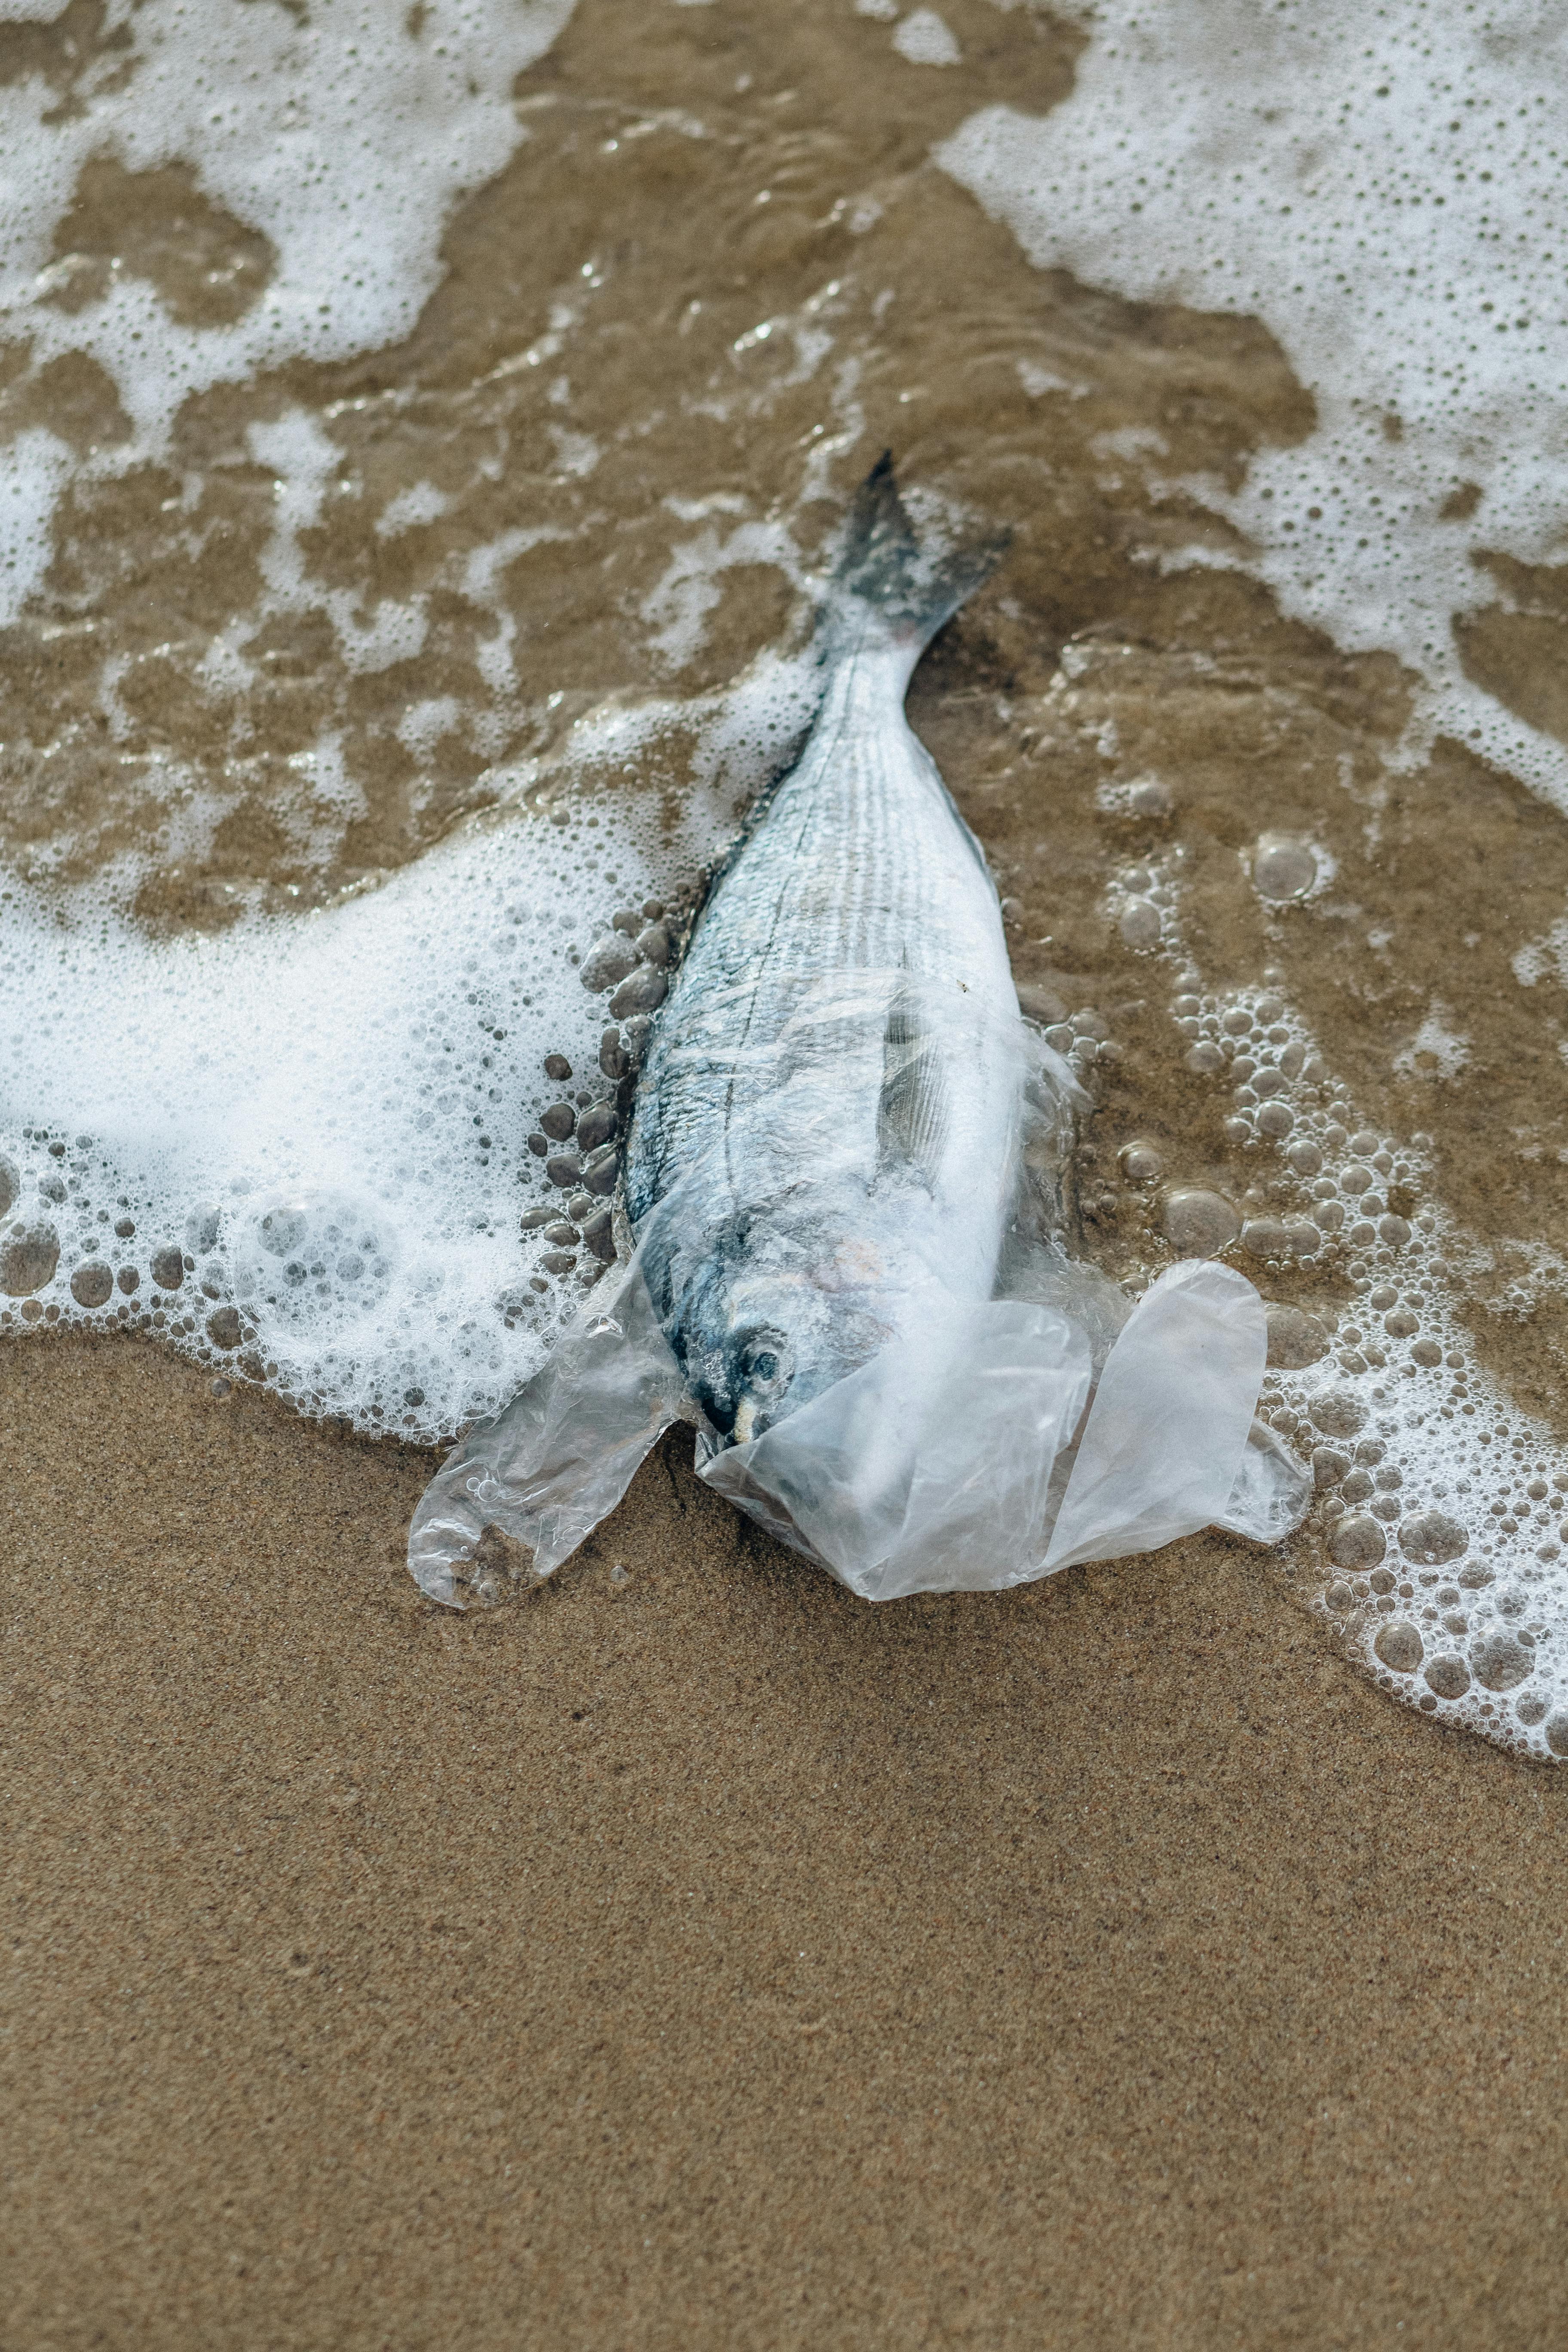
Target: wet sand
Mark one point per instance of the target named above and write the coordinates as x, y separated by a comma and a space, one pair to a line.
704, 1958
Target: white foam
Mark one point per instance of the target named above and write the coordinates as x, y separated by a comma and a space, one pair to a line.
297, 125
327, 1118
1388, 193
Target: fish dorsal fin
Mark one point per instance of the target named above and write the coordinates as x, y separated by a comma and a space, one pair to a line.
912, 1112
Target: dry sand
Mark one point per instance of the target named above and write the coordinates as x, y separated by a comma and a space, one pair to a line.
707, 1958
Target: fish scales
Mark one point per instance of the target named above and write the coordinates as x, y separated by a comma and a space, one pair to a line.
830, 1099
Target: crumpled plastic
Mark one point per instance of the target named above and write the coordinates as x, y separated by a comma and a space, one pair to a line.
1029, 1431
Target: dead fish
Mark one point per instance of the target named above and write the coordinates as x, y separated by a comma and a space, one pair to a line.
827, 1117
840, 1264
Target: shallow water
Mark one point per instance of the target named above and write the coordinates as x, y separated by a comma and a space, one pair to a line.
423, 431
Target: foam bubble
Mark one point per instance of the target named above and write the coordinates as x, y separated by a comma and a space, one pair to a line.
323, 217
1389, 193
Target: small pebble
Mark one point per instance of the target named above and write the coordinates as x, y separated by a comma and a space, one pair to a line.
643, 991
559, 1121
558, 1067
608, 960
599, 1173
597, 1125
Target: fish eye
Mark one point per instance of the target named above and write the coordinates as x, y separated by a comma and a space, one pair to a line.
765, 1360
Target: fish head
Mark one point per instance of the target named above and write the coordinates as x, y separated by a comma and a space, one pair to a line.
774, 1324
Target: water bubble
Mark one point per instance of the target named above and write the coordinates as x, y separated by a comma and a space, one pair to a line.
1198, 1222
1266, 1237
1356, 1541
1338, 1414
1140, 924
311, 1260
30, 1252
597, 1125
168, 1268
1295, 1339
1399, 1646
1140, 1162
10, 1184
1283, 867
1448, 1677
1500, 1660
92, 1285
224, 1327
642, 993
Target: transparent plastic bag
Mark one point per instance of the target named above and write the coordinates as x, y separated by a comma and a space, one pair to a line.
889, 1359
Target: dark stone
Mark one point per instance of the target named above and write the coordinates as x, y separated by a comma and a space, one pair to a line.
599, 1233
533, 1219
599, 1173
558, 1261
563, 1234
644, 991
558, 1067
655, 946
539, 1145
607, 962
597, 1125
612, 1060
564, 1168
558, 1122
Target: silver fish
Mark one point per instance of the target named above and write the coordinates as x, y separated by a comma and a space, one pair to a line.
844, 1266
829, 1107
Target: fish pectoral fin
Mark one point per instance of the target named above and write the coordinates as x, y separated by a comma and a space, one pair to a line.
912, 1112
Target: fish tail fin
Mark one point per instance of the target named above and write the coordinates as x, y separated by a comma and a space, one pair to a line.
882, 564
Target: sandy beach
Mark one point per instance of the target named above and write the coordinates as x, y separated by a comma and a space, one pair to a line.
703, 1957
